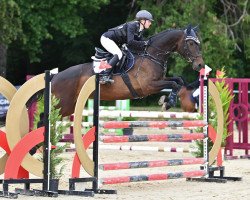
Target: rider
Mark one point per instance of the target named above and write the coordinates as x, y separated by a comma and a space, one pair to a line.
129, 33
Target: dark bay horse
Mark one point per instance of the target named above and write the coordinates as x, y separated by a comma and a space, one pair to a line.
147, 76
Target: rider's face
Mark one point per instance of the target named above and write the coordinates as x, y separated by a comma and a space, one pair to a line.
147, 24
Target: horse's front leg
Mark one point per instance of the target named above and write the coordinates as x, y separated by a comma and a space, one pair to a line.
164, 84
171, 100
178, 79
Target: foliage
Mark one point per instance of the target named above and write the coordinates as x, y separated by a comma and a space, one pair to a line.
10, 21
226, 98
44, 18
38, 118
218, 46
64, 33
57, 129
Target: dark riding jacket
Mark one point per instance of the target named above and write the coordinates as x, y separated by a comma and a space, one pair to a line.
127, 33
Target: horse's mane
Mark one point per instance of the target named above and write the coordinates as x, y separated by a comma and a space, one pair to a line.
159, 35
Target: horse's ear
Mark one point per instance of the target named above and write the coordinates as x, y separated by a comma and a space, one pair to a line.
196, 29
189, 27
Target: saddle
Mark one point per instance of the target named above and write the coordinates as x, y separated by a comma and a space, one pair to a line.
124, 65
121, 68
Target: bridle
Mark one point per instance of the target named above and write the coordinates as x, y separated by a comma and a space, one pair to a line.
187, 54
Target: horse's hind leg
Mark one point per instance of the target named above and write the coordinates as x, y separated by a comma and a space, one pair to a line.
162, 100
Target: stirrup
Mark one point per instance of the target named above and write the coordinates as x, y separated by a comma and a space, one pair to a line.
106, 79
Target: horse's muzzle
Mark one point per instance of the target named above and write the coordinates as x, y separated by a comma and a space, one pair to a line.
198, 64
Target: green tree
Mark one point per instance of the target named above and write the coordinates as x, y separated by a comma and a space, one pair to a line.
220, 47
61, 33
10, 28
34, 22
44, 18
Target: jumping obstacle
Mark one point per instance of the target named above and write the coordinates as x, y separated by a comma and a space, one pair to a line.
143, 114
152, 177
147, 148
239, 113
157, 163
123, 105
19, 155
91, 167
149, 164
153, 138
18, 141
119, 114
139, 148
153, 124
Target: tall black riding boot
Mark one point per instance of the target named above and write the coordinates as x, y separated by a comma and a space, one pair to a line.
106, 78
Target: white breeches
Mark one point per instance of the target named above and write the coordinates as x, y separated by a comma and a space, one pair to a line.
111, 46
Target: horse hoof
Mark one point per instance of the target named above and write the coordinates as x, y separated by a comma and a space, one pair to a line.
162, 100
165, 106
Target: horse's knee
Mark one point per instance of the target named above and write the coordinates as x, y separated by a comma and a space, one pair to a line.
180, 81
176, 86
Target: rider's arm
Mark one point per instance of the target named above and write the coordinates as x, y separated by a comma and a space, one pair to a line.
132, 29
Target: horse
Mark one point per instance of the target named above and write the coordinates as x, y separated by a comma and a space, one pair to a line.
146, 77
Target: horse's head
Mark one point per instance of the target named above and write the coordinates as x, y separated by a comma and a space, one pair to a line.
189, 48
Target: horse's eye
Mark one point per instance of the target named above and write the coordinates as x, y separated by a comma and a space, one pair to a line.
191, 43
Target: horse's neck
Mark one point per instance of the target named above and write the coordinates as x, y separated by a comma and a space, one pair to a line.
167, 42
